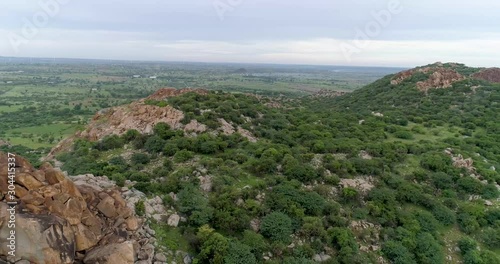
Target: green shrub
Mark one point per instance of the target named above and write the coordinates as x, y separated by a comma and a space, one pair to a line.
277, 226
183, 156
140, 208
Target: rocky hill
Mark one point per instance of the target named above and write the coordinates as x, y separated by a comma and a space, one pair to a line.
142, 116
490, 75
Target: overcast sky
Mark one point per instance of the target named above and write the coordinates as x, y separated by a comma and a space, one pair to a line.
256, 31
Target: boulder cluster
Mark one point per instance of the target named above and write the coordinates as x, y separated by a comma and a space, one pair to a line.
439, 77
64, 220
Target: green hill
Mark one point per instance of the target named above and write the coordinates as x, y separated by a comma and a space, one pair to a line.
400, 171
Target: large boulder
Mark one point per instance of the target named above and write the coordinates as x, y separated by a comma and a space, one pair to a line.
39, 238
122, 253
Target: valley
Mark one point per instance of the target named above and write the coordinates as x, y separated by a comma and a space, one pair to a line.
271, 164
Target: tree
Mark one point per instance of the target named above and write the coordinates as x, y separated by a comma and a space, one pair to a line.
130, 135
213, 247
428, 250
238, 253
154, 144
183, 156
277, 226
255, 241
110, 142
397, 253
467, 244
343, 239
139, 158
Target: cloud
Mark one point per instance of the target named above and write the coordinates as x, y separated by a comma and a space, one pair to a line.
274, 31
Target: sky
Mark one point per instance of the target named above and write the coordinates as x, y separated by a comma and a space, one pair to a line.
400, 33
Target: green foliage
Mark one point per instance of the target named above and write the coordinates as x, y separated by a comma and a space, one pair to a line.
277, 226
397, 253
343, 239
255, 241
213, 247
110, 142
428, 250
139, 158
140, 208
156, 103
238, 253
195, 205
154, 144
183, 156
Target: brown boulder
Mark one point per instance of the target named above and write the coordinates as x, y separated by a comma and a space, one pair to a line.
39, 175
107, 207
67, 186
122, 253
40, 238
20, 191
28, 181
54, 176
92, 222
45, 166
50, 190
34, 198
72, 210
132, 223
84, 237
119, 201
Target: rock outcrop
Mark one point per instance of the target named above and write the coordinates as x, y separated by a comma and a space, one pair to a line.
490, 75
142, 116
439, 77
137, 115
59, 220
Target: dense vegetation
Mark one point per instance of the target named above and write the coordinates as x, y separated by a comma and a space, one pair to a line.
418, 206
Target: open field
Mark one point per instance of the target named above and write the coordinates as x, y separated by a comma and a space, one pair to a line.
43, 101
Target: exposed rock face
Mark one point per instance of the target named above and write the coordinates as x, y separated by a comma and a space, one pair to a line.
39, 238
111, 254
440, 77
362, 184
61, 221
228, 129
143, 117
195, 126
490, 75
138, 115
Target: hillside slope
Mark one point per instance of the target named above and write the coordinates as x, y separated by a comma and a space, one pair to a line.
401, 171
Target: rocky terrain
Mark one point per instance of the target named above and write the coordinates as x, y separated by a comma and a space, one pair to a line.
439, 77
82, 219
142, 116
490, 75
444, 76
